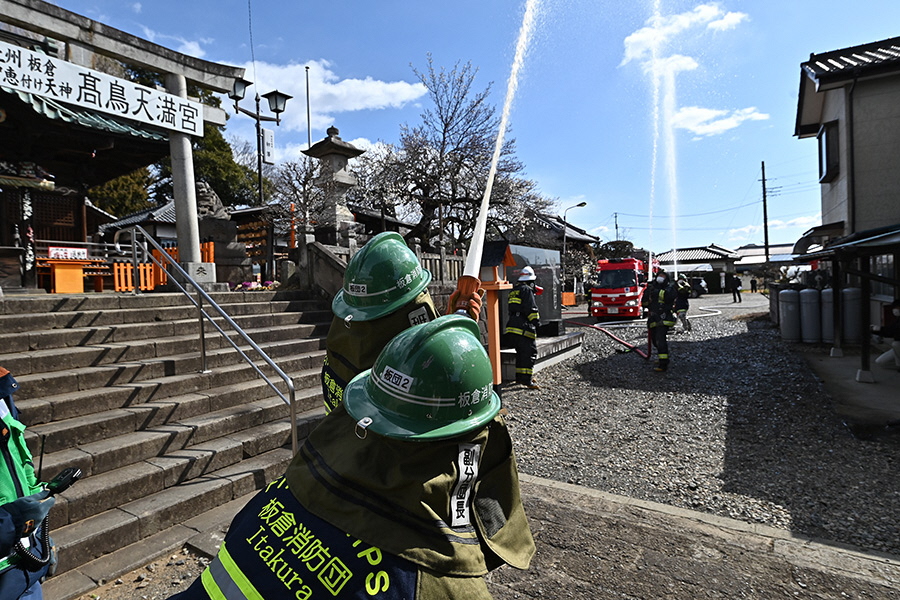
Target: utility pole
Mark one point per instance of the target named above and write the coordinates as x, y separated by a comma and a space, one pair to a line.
765, 211
616, 217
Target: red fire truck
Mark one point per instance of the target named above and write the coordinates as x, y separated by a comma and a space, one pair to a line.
618, 287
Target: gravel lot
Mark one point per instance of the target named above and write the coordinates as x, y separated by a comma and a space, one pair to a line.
738, 427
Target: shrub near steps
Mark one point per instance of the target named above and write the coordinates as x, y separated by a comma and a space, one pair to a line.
110, 383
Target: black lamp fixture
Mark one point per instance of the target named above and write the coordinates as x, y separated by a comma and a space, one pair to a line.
277, 102
239, 89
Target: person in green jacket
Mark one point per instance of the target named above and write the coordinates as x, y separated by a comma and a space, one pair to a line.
408, 489
24, 505
384, 291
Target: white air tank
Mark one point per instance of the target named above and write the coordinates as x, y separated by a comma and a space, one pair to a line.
827, 310
789, 315
810, 316
851, 311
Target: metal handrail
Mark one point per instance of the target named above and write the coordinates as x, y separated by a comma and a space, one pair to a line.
202, 314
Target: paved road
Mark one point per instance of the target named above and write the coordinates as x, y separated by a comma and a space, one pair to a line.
594, 545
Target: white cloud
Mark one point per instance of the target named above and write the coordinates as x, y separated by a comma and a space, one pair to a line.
190, 47
744, 233
729, 21
661, 30
136, 7
809, 221
329, 94
670, 65
749, 232
705, 122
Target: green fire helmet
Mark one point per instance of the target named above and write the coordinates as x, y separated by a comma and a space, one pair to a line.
431, 382
383, 276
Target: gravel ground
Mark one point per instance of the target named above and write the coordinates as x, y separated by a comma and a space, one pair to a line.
738, 427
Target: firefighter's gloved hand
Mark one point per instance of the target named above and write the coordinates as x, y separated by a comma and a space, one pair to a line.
473, 303
28, 512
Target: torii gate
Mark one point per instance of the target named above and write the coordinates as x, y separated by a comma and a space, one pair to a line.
85, 39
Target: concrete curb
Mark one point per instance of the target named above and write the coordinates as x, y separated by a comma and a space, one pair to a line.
840, 560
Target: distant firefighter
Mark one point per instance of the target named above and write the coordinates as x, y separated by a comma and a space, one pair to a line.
521, 328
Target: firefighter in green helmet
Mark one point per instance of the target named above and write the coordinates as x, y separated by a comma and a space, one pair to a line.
385, 290
407, 489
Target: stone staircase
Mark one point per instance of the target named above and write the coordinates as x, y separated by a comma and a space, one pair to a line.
111, 383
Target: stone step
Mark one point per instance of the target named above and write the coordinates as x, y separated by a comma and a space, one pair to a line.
139, 519
100, 427
86, 577
86, 402
131, 333
73, 378
59, 303
102, 491
111, 383
21, 323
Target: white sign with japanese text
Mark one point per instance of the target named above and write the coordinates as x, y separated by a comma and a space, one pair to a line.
66, 253
48, 77
268, 146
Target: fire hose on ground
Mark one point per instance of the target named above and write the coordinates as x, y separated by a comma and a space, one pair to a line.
630, 346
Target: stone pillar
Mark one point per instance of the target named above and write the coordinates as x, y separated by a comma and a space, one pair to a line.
187, 227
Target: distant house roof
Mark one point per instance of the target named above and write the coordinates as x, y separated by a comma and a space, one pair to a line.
865, 60
754, 254
832, 69
556, 224
156, 214
700, 254
367, 215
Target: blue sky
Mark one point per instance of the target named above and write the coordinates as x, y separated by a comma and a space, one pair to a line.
590, 118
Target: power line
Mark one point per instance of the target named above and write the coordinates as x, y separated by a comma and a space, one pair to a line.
693, 215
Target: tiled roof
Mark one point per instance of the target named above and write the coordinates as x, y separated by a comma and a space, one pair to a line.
573, 234
156, 214
858, 61
699, 254
52, 109
757, 250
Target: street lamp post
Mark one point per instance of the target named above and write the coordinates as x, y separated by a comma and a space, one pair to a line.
562, 260
277, 101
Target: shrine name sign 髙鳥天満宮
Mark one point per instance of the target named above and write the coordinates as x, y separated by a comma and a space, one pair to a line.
41, 75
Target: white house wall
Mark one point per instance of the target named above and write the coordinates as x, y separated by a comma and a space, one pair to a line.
834, 193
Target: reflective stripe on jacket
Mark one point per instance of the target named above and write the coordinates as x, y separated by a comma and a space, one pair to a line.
523, 311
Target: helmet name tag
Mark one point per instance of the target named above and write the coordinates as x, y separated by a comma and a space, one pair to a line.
396, 379
418, 316
357, 288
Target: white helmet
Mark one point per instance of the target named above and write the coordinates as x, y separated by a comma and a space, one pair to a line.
527, 274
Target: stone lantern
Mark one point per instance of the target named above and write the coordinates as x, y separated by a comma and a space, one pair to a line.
335, 221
